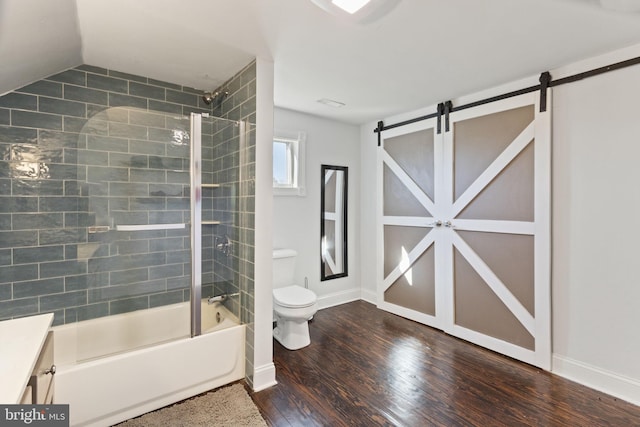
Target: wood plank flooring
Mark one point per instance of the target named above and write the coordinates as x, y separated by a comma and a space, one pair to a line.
366, 367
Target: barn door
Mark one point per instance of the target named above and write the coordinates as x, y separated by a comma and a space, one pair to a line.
477, 241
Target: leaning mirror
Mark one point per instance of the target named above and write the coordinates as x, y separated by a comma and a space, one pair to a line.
333, 222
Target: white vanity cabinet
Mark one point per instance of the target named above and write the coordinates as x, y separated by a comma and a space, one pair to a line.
26, 360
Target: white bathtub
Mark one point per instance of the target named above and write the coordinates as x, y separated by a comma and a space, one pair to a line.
105, 383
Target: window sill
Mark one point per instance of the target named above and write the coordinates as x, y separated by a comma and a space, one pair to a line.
285, 191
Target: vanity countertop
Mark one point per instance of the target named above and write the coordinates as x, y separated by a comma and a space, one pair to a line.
21, 341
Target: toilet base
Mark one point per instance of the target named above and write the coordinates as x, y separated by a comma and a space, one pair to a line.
292, 334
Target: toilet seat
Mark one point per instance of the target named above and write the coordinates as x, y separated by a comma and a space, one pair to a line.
294, 297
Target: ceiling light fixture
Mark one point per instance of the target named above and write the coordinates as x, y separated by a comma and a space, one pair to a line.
350, 6
331, 103
360, 11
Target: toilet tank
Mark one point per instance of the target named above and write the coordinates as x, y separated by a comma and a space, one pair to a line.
284, 264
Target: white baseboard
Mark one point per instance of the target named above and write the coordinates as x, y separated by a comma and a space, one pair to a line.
337, 298
264, 377
369, 296
616, 385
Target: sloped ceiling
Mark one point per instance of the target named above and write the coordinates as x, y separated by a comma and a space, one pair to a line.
423, 52
37, 38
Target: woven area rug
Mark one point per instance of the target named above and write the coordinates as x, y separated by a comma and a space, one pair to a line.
226, 407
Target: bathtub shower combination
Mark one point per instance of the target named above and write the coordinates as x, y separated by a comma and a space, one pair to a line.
164, 228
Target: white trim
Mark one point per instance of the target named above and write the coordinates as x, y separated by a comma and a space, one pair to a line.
409, 221
495, 344
297, 141
416, 316
369, 296
493, 226
264, 377
542, 242
338, 298
617, 385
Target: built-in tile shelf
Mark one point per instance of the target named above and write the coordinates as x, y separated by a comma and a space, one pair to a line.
210, 185
210, 222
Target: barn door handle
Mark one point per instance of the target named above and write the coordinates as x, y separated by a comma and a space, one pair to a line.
438, 223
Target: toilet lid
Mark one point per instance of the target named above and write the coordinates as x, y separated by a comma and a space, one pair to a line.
294, 296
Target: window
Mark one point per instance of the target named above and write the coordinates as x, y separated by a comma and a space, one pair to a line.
288, 164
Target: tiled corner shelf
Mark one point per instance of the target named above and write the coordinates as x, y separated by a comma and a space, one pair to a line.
210, 222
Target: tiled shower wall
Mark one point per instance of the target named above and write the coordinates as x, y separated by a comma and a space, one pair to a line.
96, 147
240, 104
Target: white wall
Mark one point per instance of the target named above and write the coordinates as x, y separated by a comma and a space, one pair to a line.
596, 206
296, 220
264, 371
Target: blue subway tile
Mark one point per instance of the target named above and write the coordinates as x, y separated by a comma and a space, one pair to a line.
18, 273
92, 96
165, 298
62, 236
75, 77
36, 120
92, 69
64, 300
43, 87
14, 239
5, 292
34, 288
92, 126
86, 281
62, 268
107, 83
5, 116
165, 107
128, 160
146, 119
5, 222
146, 91
127, 131
129, 276
51, 138
180, 97
62, 107
35, 221
5, 257
19, 101
119, 100
18, 135
18, 307
38, 254
107, 143
128, 305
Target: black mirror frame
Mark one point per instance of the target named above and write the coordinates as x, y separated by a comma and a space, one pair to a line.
345, 264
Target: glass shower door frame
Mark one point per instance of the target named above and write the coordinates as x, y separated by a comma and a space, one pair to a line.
196, 221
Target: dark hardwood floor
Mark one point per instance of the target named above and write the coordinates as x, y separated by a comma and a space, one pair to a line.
366, 367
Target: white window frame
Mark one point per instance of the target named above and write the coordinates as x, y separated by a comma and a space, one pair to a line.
296, 163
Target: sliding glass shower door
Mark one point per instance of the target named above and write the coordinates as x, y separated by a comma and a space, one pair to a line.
162, 195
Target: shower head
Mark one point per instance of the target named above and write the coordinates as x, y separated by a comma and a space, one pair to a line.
217, 96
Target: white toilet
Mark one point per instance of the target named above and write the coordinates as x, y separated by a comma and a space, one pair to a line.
293, 305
